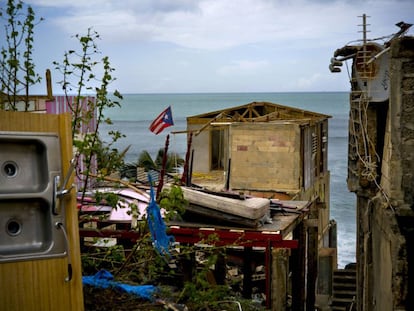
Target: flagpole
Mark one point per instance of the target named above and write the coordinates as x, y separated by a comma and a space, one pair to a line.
162, 172
185, 178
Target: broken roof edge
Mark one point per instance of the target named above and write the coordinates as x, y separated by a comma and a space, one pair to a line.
262, 118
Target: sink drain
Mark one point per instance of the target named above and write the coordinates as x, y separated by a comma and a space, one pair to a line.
13, 227
9, 169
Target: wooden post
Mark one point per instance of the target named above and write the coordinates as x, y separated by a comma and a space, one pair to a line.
40, 284
49, 85
327, 265
188, 265
333, 234
312, 256
220, 269
227, 187
185, 176
298, 260
247, 272
280, 268
164, 164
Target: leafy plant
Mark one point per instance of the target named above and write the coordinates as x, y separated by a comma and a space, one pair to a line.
173, 161
201, 293
78, 69
173, 202
17, 68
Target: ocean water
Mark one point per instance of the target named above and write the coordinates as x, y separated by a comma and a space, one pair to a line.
138, 110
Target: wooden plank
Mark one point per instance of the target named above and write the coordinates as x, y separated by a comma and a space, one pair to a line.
247, 272
40, 284
298, 269
311, 223
228, 238
280, 270
71, 212
313, 248
283, 224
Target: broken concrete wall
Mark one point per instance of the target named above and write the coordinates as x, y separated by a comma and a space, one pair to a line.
385, 228
398, 164
403, 61
381, 259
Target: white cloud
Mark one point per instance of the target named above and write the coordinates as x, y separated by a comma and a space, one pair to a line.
217, 24
211, 24
243, 67
275, 43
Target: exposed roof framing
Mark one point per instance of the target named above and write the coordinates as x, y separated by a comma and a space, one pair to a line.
257, 112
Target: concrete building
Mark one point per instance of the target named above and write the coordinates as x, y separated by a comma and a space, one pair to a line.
380, 169
277, 152
263, 147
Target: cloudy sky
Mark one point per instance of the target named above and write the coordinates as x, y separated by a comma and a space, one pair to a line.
183, 46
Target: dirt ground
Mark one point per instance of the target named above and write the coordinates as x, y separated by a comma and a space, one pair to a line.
96, 299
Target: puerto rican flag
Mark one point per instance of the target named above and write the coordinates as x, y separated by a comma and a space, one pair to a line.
163, 121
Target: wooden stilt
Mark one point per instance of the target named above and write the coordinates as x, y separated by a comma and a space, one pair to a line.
312, 262
280, 268
298, 260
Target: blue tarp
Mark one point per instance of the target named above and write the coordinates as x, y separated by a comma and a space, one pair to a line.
157, 225
104, 279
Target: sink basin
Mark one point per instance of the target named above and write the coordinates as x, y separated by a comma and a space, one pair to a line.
29, 165
27, 230
26, 161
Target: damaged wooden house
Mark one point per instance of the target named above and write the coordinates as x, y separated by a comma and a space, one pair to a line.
271, 151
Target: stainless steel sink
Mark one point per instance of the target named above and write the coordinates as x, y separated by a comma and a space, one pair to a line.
30, 228
26, 161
